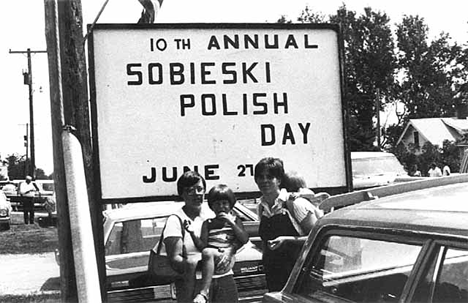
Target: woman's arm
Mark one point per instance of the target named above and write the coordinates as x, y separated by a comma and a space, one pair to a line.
174, 250
308, 222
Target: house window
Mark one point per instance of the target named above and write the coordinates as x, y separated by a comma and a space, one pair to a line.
416, 138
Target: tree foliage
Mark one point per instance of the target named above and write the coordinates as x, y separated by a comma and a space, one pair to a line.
427, 70
18, 168
448, 154
428, 77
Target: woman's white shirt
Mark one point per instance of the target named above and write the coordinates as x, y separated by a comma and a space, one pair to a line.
174, 229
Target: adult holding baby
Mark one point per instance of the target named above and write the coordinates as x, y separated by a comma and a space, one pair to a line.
280, 219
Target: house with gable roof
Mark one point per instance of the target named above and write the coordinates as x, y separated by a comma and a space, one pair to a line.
434, 130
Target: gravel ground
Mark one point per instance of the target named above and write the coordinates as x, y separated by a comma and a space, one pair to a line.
28, 274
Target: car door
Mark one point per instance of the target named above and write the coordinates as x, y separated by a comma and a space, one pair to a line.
444, 276
128, 245
354, 266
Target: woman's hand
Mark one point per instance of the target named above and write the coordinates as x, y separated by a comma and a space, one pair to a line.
277, 242
226, 258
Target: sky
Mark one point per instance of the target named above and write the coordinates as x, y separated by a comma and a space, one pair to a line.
22, 23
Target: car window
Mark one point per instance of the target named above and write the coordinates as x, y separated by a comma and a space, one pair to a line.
446, 279
134, 236
241, 214
48, 186
377, 166
358, 269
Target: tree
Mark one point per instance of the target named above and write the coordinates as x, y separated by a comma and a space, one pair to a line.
309, 16
428, 70
370, 65
18, 168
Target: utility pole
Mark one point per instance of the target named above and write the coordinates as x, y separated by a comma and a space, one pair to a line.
28, 81
69, 106
377, 109
26, 144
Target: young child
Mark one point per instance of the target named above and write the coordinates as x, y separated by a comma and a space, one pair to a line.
220, 237
296, 185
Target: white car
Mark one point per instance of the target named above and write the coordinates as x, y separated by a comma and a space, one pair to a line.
371, 169
5, 212
131, 231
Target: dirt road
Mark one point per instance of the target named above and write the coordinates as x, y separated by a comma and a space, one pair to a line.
27, 274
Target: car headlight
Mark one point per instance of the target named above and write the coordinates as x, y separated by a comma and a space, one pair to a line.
3, 212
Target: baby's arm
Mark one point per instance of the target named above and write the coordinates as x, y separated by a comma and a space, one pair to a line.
241, 234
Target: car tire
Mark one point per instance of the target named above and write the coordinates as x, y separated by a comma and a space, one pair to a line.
5, 226
42, 222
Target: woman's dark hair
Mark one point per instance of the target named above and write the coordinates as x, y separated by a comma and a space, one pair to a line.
188, 179
221, 192
273, 166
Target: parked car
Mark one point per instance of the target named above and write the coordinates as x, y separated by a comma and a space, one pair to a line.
406, 242
131, 231
372, 169
5, 212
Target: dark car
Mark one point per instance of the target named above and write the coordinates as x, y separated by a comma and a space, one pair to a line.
399, 243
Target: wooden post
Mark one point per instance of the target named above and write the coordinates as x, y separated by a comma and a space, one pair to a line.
71, 73
67, 268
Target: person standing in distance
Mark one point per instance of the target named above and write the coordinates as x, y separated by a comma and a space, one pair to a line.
27, 190
434, 171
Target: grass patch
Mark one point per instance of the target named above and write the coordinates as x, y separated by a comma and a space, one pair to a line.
23, 239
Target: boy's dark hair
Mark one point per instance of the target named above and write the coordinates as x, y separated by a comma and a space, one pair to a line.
274, 167
221, 192
188, 179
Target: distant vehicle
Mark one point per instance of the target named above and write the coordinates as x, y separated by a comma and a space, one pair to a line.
371, 169
397, 243
5, 212
131, 231
10, 188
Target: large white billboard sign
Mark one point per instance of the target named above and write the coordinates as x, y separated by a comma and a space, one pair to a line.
215, 98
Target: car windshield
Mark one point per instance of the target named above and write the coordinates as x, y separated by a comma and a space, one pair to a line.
377, 166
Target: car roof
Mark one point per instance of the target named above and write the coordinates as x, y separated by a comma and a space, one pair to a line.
149, 209
143, 210
365, 155
439, 209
